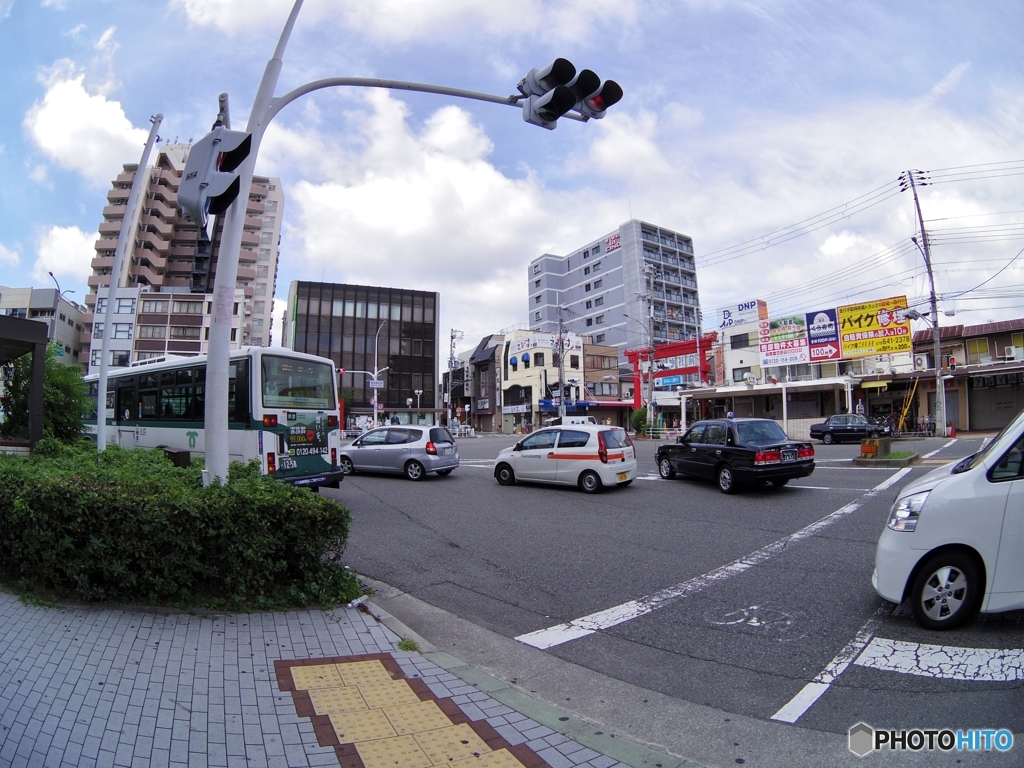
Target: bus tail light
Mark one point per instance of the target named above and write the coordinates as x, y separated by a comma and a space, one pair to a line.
602, 448
270, 420
334, 457
332, 421
432, 449
271, 463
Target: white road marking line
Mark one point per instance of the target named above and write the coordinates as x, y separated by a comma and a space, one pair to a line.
610, 617
929, 455
944, 661
795, 708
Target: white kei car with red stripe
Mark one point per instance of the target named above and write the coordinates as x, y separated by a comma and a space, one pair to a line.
586, 455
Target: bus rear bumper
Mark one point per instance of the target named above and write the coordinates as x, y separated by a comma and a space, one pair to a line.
329, 479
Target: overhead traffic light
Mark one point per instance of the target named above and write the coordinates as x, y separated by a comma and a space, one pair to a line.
556, 89
209, 184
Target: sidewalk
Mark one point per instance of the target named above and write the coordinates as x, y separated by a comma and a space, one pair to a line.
84, 685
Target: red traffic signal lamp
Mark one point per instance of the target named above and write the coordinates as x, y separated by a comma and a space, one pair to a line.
209, 183
556, 89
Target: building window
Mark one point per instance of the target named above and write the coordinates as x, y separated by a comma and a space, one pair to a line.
586, 270
599, 339
596, 249
536, 283
977, 350
152, 331
269, 222
599, 301
586, 287
151, 306
187, 307
234, 334
188, 332
101, 307
589, 303
125, 307
536, 269
739, 373
261, 271
574, 362
271, 206
267, 238
600, 320
590, 321
536, 315
97, 330
259, 307
536, 299
256, 341
597, 266
598, 283
261, 289
257, 324
264, 254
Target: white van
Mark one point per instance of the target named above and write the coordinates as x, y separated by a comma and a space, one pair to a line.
954, 543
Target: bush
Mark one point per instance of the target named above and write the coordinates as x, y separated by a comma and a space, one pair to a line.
126, 526
64, 398
639, 421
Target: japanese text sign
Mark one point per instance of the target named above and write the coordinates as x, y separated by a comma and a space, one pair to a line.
875, 327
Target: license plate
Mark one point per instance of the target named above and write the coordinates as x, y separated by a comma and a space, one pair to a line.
789, 455
623, 476
447, 451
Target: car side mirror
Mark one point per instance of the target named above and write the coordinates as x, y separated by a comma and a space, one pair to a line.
679, 439
517, 447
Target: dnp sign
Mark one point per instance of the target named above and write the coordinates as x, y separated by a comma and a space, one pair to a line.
744, 312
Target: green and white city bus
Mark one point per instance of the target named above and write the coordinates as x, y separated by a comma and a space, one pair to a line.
282, 410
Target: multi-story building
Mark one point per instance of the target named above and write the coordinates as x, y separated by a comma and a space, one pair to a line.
170, 256
387, 335
602, 288
62, 316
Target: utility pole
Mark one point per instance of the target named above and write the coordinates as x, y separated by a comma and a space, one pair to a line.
940, 387
561, 365
456, 337
649, 274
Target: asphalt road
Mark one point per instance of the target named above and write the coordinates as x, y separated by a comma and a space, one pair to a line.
754, 604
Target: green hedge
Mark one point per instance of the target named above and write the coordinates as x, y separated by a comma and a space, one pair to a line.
126, 526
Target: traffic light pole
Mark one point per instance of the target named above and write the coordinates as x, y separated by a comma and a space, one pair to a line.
264, 109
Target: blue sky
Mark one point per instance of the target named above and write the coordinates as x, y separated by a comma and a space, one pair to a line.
739, 119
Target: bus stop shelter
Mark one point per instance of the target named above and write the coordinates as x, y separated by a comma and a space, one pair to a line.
27, 337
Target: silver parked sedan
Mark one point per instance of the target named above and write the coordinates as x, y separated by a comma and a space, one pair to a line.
412, 451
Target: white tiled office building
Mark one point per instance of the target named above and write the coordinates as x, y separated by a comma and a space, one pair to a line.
602, 286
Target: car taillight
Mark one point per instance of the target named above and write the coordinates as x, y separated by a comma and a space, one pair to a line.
332, 421
806, 452
271, 462
772, 456
431, 449
602, 448
270, 420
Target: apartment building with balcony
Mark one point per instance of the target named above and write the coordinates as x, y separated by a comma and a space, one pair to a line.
63, 317
169, 256
601, 288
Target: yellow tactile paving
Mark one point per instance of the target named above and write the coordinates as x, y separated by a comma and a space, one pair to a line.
390, 693
342, 699
414, 718
318, 676
356, 672
501, 758
365, 725
455, 742
401, 751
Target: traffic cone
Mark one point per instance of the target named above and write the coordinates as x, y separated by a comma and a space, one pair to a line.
952, 430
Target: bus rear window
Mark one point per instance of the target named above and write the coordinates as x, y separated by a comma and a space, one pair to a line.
300, 384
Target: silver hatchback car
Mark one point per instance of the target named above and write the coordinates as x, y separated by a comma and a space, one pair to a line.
412, 451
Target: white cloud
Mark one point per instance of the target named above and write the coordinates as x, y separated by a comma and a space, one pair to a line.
39, 174
404, 20
82, 131
8, 257
5, 8
65, 251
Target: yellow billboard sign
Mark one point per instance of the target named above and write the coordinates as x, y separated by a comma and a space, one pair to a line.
875, 328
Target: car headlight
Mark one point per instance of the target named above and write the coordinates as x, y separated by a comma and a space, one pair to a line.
906, 512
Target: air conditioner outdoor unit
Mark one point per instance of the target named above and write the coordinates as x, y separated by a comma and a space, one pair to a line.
1009, 353
749, 378
920, 362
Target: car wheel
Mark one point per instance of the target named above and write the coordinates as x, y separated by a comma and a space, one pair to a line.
504, 475
444, 472
345, 465
947, 590
874, 435
589, 482
779, 483
726, 479
414, 470
665, 469
827, 438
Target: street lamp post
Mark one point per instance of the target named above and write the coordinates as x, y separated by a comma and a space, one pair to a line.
418, 393
56, 307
